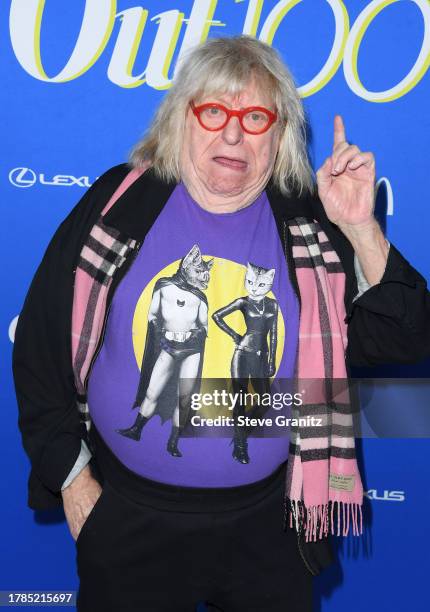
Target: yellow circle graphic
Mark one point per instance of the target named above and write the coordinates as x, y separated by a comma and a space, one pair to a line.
226, 285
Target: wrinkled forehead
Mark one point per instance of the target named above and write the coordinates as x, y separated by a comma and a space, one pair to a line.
256, 90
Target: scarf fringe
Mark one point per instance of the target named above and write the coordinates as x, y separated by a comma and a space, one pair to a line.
318, 521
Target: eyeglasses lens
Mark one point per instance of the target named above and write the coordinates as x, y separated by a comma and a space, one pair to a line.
255, 121
213, 117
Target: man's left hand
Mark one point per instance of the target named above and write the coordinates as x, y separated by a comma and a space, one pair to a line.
346, 187
346, 183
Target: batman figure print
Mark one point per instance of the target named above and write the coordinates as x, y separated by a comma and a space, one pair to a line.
174, 348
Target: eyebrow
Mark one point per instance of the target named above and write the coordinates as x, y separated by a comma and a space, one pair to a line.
224, 101
221, 99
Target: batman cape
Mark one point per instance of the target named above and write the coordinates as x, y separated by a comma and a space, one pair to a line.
155, 342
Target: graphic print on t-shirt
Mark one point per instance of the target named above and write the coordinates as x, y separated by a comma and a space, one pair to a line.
177, 322
252, 357
175, 326
243, 246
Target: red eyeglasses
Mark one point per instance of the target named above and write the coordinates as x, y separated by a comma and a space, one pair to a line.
214, 117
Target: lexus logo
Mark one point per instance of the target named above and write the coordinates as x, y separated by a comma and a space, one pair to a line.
386, 495
22, 177
26, 177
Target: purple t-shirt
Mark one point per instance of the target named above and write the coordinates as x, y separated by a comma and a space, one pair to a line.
208, 296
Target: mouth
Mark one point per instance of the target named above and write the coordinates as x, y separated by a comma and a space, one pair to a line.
231, 162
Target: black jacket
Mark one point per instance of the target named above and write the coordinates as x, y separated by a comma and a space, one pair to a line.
389, 323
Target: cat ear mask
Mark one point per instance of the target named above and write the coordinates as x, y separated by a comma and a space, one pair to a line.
194, 257
266, 273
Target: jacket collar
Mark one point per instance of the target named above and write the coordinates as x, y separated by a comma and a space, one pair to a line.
136, 210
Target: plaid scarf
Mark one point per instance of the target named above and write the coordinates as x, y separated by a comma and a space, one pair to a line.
323, 481
323, 484
103, 253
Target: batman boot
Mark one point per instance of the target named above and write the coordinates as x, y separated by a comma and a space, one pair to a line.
240, 450
172, 444
135, 430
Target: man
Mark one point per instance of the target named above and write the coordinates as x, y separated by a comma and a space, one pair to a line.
229, 172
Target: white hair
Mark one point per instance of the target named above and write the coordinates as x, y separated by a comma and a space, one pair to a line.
226, 66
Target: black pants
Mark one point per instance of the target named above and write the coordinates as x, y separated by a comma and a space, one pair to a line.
151, 547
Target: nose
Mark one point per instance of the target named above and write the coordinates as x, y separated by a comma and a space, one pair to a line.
232, 133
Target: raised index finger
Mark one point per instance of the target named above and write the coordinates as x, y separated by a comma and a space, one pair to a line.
339, 131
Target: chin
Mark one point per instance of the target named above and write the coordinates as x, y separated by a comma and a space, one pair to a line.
227, 185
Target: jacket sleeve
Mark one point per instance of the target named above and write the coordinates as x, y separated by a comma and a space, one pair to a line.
390, 321
48, 419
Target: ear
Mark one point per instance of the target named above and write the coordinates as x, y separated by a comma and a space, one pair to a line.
193, 256
210, 263
271, 273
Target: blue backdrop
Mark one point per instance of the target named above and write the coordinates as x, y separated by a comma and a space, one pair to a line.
80, 81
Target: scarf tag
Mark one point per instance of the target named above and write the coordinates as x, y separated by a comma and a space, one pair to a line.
341, 482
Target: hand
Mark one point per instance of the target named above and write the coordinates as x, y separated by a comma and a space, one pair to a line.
199, 333
237, 339
79, 498
346, 184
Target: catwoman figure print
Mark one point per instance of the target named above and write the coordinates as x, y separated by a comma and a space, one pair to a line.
253, 358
